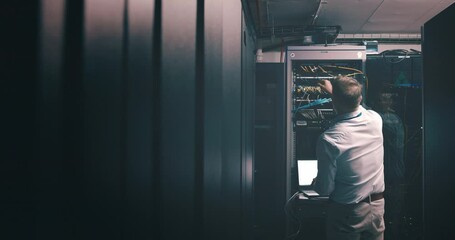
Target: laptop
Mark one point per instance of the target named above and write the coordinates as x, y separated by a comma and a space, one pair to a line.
307, 170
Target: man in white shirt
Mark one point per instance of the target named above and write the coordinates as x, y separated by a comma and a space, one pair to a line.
350, 165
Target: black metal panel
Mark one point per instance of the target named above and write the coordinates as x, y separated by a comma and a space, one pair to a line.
269, 152
231, 120
72, 133
147, 122
178, 119
156, 124
395, 92
211, 67
140, 75
438, 61
51, 192
104, 124
18, 64
247, 144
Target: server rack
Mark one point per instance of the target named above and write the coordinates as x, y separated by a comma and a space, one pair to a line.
309, 109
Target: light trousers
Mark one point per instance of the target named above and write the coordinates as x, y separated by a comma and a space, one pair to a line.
361, 221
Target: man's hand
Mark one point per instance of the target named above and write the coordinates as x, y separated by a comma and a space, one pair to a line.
313, 182
326, 85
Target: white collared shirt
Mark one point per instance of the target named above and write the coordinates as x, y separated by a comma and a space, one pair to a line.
350, 157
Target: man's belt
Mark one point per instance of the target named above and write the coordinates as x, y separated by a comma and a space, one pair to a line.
373, 197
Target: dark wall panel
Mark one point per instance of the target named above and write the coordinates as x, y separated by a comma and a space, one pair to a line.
269, 152
49, 177
211, 67
248, 77
95, 118
72, 131
231, 124
18, 59
401, 80
438, 99
178, 118
104, 123
144, 119
141, 75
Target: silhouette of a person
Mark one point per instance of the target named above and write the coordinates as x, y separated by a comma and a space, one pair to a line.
394, 167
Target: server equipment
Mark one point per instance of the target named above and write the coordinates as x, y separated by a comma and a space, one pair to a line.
309, 108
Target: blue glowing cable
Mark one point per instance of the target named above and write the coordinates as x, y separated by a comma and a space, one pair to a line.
314, 103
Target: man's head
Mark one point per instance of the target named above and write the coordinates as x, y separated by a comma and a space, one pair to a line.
347, 94
385, 102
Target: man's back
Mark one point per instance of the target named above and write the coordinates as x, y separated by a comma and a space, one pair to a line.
350, 166
350, 155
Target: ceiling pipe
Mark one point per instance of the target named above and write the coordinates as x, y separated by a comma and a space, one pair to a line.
316, 15
258, 13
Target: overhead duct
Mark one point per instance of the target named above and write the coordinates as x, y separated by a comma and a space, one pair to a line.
318, 34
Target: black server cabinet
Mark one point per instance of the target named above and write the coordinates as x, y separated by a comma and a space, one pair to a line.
438, 128
309, 111
269, 164
395, 92
308, 108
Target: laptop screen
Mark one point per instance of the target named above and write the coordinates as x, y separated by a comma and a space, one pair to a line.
307, 170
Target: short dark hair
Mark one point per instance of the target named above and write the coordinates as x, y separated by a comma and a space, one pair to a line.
347, 91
